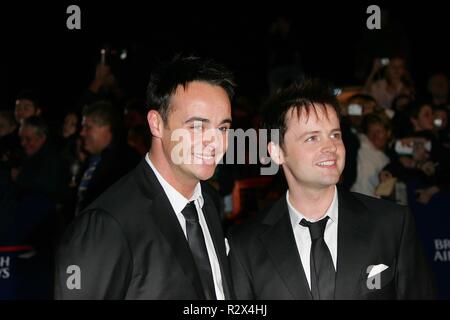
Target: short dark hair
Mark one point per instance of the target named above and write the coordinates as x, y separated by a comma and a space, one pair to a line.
103, 113
299, 96
38, 123
31, 95
166, 78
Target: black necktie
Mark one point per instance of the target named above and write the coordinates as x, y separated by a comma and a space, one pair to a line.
321, 263
198, 248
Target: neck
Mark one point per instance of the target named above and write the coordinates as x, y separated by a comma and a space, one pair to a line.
172, 174
313, 203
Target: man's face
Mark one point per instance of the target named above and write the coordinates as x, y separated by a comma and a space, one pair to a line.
95, 137
313, 154
201, 115
24, 109
31, 141
378, 135
425, 118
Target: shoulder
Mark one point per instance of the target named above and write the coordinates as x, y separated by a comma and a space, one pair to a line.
124, 201
252, 228
379, 211
93, 229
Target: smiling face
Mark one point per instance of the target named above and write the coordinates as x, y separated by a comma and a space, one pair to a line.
313, 154
194, 138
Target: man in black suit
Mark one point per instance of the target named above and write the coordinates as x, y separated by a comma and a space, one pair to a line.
156, 233
319, 241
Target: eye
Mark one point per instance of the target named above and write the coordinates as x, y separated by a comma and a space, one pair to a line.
223, 129
196, 127
311, 139
336, 135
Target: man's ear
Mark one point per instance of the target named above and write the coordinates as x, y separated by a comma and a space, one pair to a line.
38, 111
276, 153
155, 123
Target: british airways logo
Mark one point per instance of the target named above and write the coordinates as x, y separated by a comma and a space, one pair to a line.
4, 267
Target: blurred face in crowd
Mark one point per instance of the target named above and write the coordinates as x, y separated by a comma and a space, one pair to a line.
385, 176
70, 125
31, 140
395, 69
424, 120
198, 121
438, 86
313, 154
378, 135
24, 109
95, 137
5, 127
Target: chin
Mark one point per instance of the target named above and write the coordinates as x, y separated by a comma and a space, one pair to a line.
204, 172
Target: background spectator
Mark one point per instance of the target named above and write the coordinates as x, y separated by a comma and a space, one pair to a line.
394, 79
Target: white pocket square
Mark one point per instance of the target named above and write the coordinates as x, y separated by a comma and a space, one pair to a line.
377, 269
227, 246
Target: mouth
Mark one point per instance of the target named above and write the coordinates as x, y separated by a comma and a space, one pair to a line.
327, 164
205, 159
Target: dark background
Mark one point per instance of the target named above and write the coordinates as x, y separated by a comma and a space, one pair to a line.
38, 51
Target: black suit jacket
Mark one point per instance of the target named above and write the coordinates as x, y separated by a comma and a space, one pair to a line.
116, 161
128, 244
265, 262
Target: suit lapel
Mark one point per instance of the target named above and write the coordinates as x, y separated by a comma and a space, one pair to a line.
167, 222
353, 245
280, 243
215, 230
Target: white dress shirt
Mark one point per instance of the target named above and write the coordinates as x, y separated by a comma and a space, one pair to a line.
178, 202
303, 237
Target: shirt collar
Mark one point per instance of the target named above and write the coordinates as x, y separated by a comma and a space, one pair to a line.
297, 216
176, 199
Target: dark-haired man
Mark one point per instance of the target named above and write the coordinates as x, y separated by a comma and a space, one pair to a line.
318, 241
110, 157
27, 105
156, 234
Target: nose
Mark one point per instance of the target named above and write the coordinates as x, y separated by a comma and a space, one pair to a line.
212, 138
329, 146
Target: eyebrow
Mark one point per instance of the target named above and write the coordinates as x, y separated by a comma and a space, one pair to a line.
193, 119
316, 132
